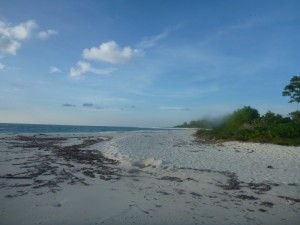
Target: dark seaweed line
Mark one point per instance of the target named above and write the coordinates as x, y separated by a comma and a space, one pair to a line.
45, 165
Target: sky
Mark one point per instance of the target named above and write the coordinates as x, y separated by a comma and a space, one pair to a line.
144, 63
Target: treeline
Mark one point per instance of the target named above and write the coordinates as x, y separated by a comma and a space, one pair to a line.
206, 123
246, 124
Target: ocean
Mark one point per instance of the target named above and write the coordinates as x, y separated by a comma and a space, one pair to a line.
14, 128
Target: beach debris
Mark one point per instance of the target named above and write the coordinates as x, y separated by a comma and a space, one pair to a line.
293, 184
139, 208
133, 171
191, 179
10, 176
232, 182
262, 210
138, 164
267, 204
195, 194
74, 178
89, 173
180, 143
290, 200
54, 162
259, 188
180, 191
169, 178
246, 197
163, 192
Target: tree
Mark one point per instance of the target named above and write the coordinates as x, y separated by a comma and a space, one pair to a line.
293, 89
295, 115
242, 116
241, 119
270, 118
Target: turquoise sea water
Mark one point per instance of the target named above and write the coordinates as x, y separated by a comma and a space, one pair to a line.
13, 128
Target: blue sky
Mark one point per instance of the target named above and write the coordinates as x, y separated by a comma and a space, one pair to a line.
144, 63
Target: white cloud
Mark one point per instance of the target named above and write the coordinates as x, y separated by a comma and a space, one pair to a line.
54, 69
9, 46
46, 34
84, 67
20, 32
110, 52
2, 66
10, 36
151, 42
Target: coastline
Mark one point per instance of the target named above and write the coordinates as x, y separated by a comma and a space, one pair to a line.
146, 177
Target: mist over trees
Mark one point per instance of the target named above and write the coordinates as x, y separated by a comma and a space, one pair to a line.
246, 124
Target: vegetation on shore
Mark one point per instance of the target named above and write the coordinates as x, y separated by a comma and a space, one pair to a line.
246, 124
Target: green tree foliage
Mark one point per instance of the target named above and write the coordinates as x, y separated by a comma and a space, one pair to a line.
246, 124
293, 89
243, 117
240, 121
295, 116
271, 118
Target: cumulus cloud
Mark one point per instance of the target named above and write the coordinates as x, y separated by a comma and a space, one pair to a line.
46, 34
84, 67
110, 52
54, 69
11, 36
20, 32
9, 46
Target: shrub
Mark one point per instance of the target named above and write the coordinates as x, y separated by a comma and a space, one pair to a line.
239, 119
245, 124
295, 116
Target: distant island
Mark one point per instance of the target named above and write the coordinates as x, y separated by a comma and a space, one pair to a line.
246, 124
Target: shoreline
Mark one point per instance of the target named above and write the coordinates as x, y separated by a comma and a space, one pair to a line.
146, 177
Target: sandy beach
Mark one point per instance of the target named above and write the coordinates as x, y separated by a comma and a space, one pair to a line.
146, 177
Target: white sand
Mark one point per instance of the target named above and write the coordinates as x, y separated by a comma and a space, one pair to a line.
178, 149
166, 178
